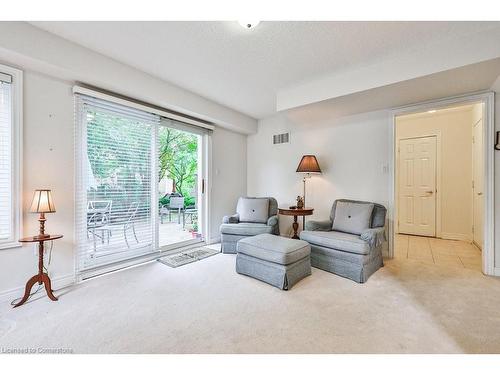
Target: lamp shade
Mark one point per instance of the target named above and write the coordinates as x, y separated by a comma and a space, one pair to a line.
42, 202
308, 164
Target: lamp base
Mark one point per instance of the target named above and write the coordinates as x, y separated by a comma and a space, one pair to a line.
41, 233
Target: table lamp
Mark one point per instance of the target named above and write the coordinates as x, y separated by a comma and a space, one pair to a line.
42, 203
308, 165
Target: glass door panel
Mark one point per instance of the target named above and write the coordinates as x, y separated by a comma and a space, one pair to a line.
179, 187
118, 184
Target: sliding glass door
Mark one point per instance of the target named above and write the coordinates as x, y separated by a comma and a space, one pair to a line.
140, 181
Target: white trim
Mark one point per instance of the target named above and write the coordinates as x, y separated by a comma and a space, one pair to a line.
58, 282
496, 271
145, 108
456, 236
17, 121
487, 98
488, 250
207, 175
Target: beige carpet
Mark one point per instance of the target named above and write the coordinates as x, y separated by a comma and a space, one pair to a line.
205, 307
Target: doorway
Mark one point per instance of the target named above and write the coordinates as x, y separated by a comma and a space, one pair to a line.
180, 187
442, 180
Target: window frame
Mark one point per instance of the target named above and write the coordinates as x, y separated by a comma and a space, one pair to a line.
17, 157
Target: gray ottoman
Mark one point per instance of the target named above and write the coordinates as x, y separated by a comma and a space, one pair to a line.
279, 261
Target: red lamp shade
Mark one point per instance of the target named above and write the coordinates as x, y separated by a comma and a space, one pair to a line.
308, 164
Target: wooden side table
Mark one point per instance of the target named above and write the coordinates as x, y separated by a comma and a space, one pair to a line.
295, 212
41, 277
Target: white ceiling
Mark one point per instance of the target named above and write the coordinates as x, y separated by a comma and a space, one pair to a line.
244, 69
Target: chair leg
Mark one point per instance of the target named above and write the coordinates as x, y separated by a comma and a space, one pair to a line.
135, 235
95, 240
125, 235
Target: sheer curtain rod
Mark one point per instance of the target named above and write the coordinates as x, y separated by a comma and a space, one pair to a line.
143, 107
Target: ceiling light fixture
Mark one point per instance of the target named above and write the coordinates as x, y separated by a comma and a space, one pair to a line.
249, 24
432, 111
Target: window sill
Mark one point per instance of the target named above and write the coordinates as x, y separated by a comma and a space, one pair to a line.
10, 245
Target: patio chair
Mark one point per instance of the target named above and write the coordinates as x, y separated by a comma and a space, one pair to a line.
98, 215
125, 225
176, 205
128, 224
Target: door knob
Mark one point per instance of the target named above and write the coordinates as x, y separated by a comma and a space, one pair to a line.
479, 193
429, 192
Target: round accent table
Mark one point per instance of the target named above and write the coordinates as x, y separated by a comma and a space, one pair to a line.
295, 212
41, 277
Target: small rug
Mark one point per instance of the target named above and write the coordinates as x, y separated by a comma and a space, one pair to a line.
188, 256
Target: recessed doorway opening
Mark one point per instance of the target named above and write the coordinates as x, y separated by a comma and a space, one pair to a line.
441, 182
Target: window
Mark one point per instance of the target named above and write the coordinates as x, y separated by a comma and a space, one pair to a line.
10, 173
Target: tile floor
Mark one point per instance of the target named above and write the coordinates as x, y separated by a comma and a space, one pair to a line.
438, 251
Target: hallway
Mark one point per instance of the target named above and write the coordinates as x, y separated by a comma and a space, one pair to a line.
437, 251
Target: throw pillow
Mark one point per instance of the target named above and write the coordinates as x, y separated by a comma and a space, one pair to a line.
253, 210
352, 217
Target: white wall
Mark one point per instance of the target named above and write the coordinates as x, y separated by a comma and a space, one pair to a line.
48, 153
229, 176
353, 154
47, 163
454, 127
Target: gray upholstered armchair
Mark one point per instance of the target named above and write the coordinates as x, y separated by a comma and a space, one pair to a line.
350, 243
253, 216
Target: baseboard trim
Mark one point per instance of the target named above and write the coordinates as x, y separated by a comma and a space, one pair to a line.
455, 236
57, 283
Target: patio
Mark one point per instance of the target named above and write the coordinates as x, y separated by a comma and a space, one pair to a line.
171, 233
105, 247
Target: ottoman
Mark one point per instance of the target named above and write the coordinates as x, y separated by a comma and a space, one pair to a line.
278, 261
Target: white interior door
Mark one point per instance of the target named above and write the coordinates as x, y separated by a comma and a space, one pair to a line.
417, 186
478, 183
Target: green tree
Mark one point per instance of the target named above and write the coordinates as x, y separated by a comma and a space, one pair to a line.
179, 159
